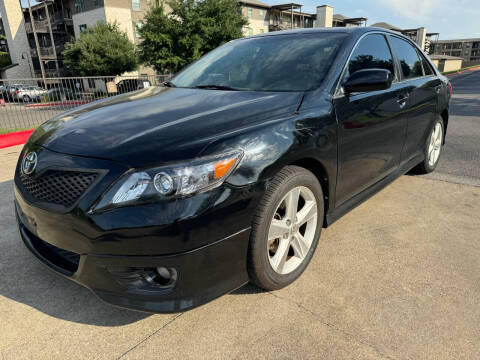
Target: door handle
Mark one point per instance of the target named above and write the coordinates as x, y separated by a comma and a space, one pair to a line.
402, 101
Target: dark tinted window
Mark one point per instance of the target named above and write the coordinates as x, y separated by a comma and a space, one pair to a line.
407, 55
371, 52
269, 63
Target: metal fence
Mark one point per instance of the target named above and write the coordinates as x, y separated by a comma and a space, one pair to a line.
27, 103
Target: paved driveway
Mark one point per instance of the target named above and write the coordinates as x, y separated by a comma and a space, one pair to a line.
396, 278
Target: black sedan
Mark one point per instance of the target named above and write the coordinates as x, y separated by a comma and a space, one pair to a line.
165, 198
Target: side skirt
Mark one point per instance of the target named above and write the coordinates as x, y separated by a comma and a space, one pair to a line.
352, 203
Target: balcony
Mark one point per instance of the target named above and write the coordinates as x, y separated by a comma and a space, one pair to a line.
49, 73
42, 25
47, 52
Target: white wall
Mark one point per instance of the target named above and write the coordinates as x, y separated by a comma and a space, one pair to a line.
89, 18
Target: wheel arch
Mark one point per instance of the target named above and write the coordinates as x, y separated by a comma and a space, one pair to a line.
444, 115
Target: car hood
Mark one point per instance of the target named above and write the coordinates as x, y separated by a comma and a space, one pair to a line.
158, 125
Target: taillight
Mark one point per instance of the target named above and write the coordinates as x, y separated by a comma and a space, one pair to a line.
450, 88
17, 92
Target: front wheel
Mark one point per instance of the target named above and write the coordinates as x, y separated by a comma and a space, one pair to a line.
433, 149
286, 228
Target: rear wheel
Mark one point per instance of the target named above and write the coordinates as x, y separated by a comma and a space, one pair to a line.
433, 149
26, 98
286, 228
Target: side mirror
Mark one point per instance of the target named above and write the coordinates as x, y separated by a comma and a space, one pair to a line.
368, 80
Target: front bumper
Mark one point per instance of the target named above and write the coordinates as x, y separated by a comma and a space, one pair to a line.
204, 238
203, 274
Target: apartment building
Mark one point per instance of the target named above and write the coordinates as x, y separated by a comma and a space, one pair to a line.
467, 49
15, 42
264, 18
50, 24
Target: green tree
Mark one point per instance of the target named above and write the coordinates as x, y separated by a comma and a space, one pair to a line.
192, 28
103, 50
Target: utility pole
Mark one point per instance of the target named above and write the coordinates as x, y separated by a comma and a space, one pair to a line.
32, 21
291, 25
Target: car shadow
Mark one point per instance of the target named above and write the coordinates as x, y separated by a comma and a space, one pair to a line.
25, 280
248, 289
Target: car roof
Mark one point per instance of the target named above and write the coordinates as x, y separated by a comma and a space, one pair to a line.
351, 30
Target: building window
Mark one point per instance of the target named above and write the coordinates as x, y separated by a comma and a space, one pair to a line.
96, 3
262, 31
82, 27
136, 4
249, 13
138, 26
79, 6
260, 14
250, 31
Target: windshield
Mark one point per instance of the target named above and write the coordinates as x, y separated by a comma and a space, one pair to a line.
270, 63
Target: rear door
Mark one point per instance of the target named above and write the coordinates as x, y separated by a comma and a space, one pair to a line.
371, 129
422, 87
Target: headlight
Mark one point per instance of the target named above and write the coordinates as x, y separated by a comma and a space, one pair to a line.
170, 181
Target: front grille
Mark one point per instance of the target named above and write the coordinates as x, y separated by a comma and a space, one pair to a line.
58, 187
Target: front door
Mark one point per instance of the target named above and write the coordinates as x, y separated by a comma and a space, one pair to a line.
371, 126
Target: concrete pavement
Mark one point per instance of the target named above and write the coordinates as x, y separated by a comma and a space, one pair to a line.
397, 278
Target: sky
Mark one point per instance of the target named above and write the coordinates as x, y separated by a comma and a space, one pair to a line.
453, 19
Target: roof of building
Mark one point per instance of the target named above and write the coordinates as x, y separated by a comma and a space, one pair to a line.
287, 6
255, 3
385, 25
445, 57
456, 40
8, 67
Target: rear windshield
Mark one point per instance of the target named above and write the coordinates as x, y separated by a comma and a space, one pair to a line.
271, 63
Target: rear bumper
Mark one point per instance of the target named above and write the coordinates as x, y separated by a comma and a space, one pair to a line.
203, 274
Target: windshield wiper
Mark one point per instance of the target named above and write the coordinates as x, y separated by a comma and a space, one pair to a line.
216, 87
168, 84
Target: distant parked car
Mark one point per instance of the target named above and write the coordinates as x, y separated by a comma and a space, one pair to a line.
60, 94
10, 90
128, 85
29, 93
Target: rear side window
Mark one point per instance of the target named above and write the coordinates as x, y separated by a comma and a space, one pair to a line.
410, 64
371, 52
427, 68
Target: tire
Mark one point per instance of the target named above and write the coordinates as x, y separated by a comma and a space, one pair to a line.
267, 268
26, 98
432, 149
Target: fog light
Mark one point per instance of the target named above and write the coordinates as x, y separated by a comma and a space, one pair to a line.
148, 279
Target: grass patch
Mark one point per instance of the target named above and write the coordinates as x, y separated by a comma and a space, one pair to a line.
462, 69
11, 130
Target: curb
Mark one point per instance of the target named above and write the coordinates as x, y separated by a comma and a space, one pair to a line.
463, 72
57, 104
15, 138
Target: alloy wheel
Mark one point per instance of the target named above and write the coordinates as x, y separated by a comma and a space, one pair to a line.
435, 144
292, 230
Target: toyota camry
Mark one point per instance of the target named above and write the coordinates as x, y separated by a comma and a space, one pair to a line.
170, 196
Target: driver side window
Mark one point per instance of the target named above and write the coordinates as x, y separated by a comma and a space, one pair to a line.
371, 52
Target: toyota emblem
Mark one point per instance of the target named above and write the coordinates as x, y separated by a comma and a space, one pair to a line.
29, 163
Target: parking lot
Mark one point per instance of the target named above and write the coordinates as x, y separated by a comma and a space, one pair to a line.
396, 278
